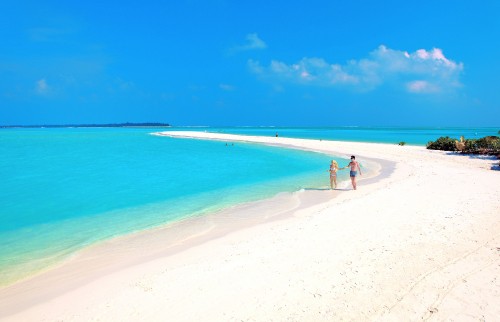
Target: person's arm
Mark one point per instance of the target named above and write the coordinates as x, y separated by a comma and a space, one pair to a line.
359, 168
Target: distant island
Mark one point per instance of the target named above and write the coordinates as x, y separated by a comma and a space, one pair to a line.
89, 125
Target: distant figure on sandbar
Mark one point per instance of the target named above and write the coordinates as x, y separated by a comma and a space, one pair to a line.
334, 167
276, 134
354, 165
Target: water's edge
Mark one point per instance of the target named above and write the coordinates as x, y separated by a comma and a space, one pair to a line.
203, 226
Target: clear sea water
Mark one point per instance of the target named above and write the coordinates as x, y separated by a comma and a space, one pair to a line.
64, 189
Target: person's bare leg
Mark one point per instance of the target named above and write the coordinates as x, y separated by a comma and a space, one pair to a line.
335, 181
331, 182
353, 181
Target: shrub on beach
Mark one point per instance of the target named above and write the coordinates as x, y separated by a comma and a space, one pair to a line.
444, 143
486, 145
460, 145
402, 143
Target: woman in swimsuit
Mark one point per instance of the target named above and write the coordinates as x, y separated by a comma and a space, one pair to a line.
334, 166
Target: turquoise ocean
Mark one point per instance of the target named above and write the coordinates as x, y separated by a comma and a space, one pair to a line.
63, 189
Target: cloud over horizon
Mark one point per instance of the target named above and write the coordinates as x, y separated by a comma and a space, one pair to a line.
252, 42
226, 87
423, 71
41, 87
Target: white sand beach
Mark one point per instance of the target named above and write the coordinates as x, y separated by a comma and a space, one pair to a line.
420, 241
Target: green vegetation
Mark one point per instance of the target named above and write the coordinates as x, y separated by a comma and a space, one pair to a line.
402, 143
444, 143
485, 145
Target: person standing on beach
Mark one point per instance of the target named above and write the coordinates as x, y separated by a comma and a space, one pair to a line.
354, 165
334, 167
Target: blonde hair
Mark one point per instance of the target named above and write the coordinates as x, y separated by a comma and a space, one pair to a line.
335, 163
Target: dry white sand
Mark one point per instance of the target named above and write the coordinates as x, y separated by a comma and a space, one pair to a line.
420, 244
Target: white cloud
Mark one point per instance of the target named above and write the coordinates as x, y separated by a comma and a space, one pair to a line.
419, 72
252, 42
420, 86
124, 85
226, 87
41, 87
48, 34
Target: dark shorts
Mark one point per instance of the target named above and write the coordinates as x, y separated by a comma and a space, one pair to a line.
353, 173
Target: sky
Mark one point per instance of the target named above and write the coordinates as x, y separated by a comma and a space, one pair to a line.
251, 63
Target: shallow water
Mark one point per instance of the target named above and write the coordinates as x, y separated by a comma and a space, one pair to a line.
64, 189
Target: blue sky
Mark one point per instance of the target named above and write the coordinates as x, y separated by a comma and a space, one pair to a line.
288, 63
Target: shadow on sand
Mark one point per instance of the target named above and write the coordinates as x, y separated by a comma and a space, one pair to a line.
495, 166
327, 189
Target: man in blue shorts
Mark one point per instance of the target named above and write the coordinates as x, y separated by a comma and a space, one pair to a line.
354, 165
